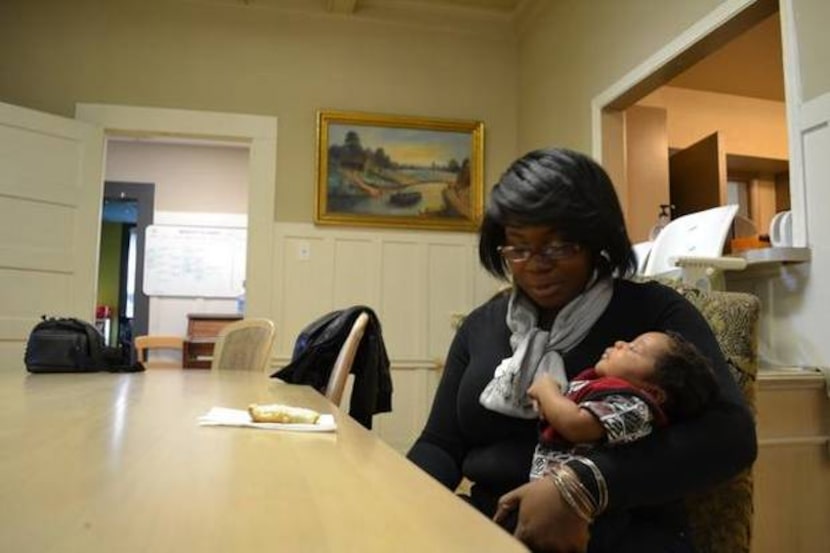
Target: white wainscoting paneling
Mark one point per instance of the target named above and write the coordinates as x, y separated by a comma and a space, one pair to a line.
416, 282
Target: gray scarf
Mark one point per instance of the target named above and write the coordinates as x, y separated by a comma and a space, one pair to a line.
536, 351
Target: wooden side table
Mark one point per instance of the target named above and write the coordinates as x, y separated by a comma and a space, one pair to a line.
202, 330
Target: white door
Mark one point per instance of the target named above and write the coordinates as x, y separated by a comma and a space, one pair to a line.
50, 201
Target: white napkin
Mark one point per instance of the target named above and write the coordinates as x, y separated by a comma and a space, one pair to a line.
222, 416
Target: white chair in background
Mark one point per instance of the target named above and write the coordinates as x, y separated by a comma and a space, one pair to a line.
692, 246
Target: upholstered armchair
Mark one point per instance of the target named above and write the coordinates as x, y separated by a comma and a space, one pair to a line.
721, 517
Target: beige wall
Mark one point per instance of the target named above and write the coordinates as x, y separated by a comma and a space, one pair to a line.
577, 49
647, 168
206, 179
749, 126
238, 58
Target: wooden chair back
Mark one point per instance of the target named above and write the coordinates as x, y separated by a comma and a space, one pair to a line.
244, 346
345, 358
143, 345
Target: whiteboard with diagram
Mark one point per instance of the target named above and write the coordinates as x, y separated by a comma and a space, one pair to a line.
194, 261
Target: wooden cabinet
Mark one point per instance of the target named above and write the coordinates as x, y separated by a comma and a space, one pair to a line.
792, 473
697, 176
700, 177
202, 330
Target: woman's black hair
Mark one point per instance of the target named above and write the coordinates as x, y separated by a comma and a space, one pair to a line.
568, 191
686, 377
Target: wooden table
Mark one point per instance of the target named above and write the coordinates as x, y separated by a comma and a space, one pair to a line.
116, 462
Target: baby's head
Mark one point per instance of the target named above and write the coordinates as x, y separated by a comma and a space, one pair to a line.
670, 367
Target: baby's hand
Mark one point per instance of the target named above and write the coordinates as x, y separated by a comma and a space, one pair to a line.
543, 385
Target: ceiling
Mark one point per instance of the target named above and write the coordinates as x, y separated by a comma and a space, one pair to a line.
507, 6
361, 7
749, 65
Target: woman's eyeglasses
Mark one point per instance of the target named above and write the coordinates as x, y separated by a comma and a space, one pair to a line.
552, 252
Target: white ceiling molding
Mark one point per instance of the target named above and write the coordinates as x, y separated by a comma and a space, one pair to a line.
492, 18
440, 15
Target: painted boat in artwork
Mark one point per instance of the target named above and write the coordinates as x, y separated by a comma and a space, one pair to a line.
405, 199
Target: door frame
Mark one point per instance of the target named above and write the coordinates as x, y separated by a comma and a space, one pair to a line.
257, 131
728, 20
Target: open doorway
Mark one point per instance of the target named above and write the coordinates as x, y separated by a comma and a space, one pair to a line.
197, 185
122, 307
723, 86
257, 132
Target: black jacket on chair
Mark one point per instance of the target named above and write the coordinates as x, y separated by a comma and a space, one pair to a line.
316, 350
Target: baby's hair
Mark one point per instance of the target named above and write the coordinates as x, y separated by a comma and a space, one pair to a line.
686, 377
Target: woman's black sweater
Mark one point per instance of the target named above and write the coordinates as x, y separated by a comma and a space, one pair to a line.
462, 438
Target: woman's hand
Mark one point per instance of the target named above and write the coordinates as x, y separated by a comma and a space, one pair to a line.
546, 523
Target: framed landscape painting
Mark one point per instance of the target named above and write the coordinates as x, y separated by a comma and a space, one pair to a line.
398, 171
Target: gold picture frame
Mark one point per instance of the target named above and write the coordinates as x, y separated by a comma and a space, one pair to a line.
399, 171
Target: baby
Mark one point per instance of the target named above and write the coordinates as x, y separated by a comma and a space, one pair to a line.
635, 386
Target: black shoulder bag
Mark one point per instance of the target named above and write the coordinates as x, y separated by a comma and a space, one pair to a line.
71, 345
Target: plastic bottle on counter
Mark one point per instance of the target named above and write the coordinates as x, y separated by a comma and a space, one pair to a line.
663, 219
